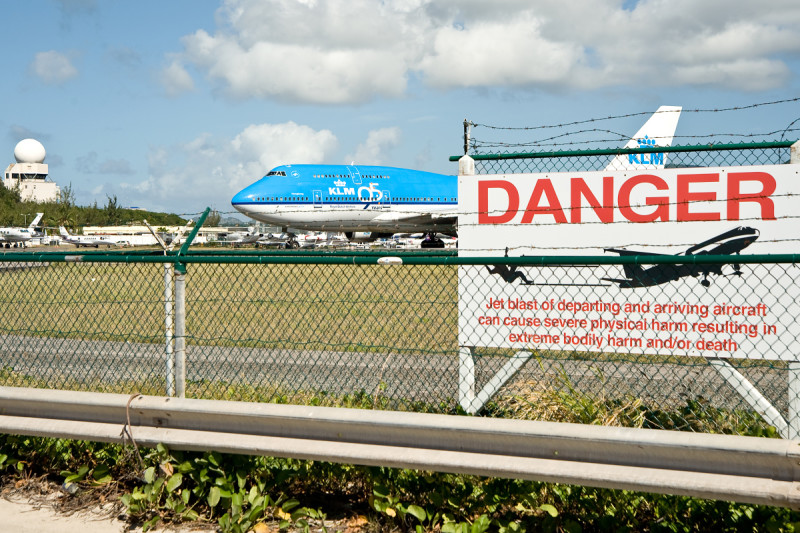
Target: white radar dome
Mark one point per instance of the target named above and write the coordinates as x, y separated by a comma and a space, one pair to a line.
29, 151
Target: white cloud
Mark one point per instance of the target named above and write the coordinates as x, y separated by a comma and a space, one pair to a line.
373, 150
500, 53
208, 171
53, 68
310, 51
350, 51
296, 72
176, 80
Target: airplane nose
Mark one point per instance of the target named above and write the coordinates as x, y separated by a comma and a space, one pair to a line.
242, 201
242, 197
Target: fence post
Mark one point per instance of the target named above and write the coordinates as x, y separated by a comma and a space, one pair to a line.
793, 417
180, 307
168, 328
180, 333
466, 361
466, 379
466, 166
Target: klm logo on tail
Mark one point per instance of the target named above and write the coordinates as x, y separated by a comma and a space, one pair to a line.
646, 159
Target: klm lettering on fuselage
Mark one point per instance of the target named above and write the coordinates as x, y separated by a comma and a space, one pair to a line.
364, 193
646, 159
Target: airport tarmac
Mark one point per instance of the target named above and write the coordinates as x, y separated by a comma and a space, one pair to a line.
430, 378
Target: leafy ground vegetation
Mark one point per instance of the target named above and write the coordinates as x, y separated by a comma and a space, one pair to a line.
159, 486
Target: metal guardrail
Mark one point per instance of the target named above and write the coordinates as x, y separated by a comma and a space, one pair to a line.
744, 469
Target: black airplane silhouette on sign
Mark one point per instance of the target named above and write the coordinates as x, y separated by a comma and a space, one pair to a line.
728, 243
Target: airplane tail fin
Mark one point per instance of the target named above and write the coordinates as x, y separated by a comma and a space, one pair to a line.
657, 131
63, 232
35, 221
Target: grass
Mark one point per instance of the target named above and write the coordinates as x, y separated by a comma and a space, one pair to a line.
366, 308
529, 400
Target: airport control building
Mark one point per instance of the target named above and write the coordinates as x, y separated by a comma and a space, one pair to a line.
29, 175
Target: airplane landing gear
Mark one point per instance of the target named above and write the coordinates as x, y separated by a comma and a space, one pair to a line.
431, 241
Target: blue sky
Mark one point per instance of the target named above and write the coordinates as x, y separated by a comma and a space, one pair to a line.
176, 105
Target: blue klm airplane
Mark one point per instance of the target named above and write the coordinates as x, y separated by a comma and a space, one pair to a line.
387, 200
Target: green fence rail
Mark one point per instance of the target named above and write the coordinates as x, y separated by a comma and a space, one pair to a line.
371, 331
703, 155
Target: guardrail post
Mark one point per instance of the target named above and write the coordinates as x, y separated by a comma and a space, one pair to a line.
180, 333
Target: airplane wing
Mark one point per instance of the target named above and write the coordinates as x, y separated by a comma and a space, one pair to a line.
423, 219
624, 252
616, 280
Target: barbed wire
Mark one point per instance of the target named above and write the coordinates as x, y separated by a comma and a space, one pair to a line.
639, 114
477, 143
616, 245
787, 130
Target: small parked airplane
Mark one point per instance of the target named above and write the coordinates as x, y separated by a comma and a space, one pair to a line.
279, 241
79, 240
728, 243
18, 236
237, 239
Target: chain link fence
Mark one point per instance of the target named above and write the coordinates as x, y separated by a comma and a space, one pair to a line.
342, 330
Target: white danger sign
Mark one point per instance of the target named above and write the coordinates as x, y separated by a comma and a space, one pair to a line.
733, 310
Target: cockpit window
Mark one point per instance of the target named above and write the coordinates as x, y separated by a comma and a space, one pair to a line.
276, 173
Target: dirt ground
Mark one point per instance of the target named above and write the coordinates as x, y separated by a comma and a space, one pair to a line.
24, 517
32, 506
